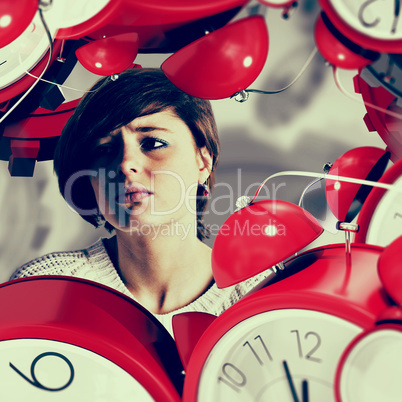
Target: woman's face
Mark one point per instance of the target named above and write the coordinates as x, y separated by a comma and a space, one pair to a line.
148, 172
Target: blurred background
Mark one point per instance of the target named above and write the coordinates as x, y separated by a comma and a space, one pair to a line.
300, 129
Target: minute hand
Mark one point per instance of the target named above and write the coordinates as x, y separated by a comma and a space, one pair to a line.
397, 10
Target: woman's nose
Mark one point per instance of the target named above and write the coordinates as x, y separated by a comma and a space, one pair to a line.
131, 159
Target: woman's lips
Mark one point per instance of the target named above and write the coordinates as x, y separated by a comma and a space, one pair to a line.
131, 198
133, 194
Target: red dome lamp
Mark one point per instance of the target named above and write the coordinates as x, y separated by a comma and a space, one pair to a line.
335, 50
15, 16
365, 163
259, 236
110, 55
222, 62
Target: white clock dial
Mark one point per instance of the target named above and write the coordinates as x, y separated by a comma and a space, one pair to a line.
386, 221
67, 13
23, 53
248, 362
38, 370
372, 370
378, 19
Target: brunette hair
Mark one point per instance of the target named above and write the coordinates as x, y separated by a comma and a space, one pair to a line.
111, 103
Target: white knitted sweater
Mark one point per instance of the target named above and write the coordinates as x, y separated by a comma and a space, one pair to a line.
95, 264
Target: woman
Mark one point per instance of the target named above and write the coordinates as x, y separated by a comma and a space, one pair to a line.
139, 156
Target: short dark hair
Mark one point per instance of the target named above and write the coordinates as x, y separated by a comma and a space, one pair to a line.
113, 102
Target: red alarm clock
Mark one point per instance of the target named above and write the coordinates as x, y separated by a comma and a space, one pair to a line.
66, 339
283, 342
370, 368
372, 24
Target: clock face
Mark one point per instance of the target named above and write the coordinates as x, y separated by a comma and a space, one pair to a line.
264, 356
377, 19
23, 53
386, 221
380, 218
372, 368
45, 370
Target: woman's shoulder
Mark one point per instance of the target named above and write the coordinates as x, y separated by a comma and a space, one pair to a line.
60, 263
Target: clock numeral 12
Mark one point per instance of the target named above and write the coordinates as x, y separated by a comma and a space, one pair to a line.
308, 355
233, 377
34, 380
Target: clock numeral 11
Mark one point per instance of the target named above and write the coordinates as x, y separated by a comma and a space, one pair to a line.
309, 354
255, 353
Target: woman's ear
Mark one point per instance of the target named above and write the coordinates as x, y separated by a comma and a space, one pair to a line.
204, 160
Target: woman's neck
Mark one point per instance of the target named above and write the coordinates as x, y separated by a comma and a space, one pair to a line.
163, 271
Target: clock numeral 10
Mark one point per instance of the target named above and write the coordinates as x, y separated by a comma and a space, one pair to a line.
309, 354
233, 377
35, 381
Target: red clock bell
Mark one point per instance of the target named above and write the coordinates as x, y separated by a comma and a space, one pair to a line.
338, 50
222, 62
365, 163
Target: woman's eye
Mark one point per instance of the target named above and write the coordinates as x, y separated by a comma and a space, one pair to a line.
104, 150
150, 143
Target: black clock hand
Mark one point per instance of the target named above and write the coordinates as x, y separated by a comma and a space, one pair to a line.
290, 381
304, 391
397, 10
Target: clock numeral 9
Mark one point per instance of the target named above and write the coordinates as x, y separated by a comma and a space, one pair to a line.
361, 17
35, 381
233, 377
308, 355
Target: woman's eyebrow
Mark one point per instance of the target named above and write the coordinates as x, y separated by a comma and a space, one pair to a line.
147, 129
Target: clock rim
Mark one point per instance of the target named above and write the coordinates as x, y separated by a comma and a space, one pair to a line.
26, 81
373, 199
257, 302
128, 351
367, 42
351, 346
